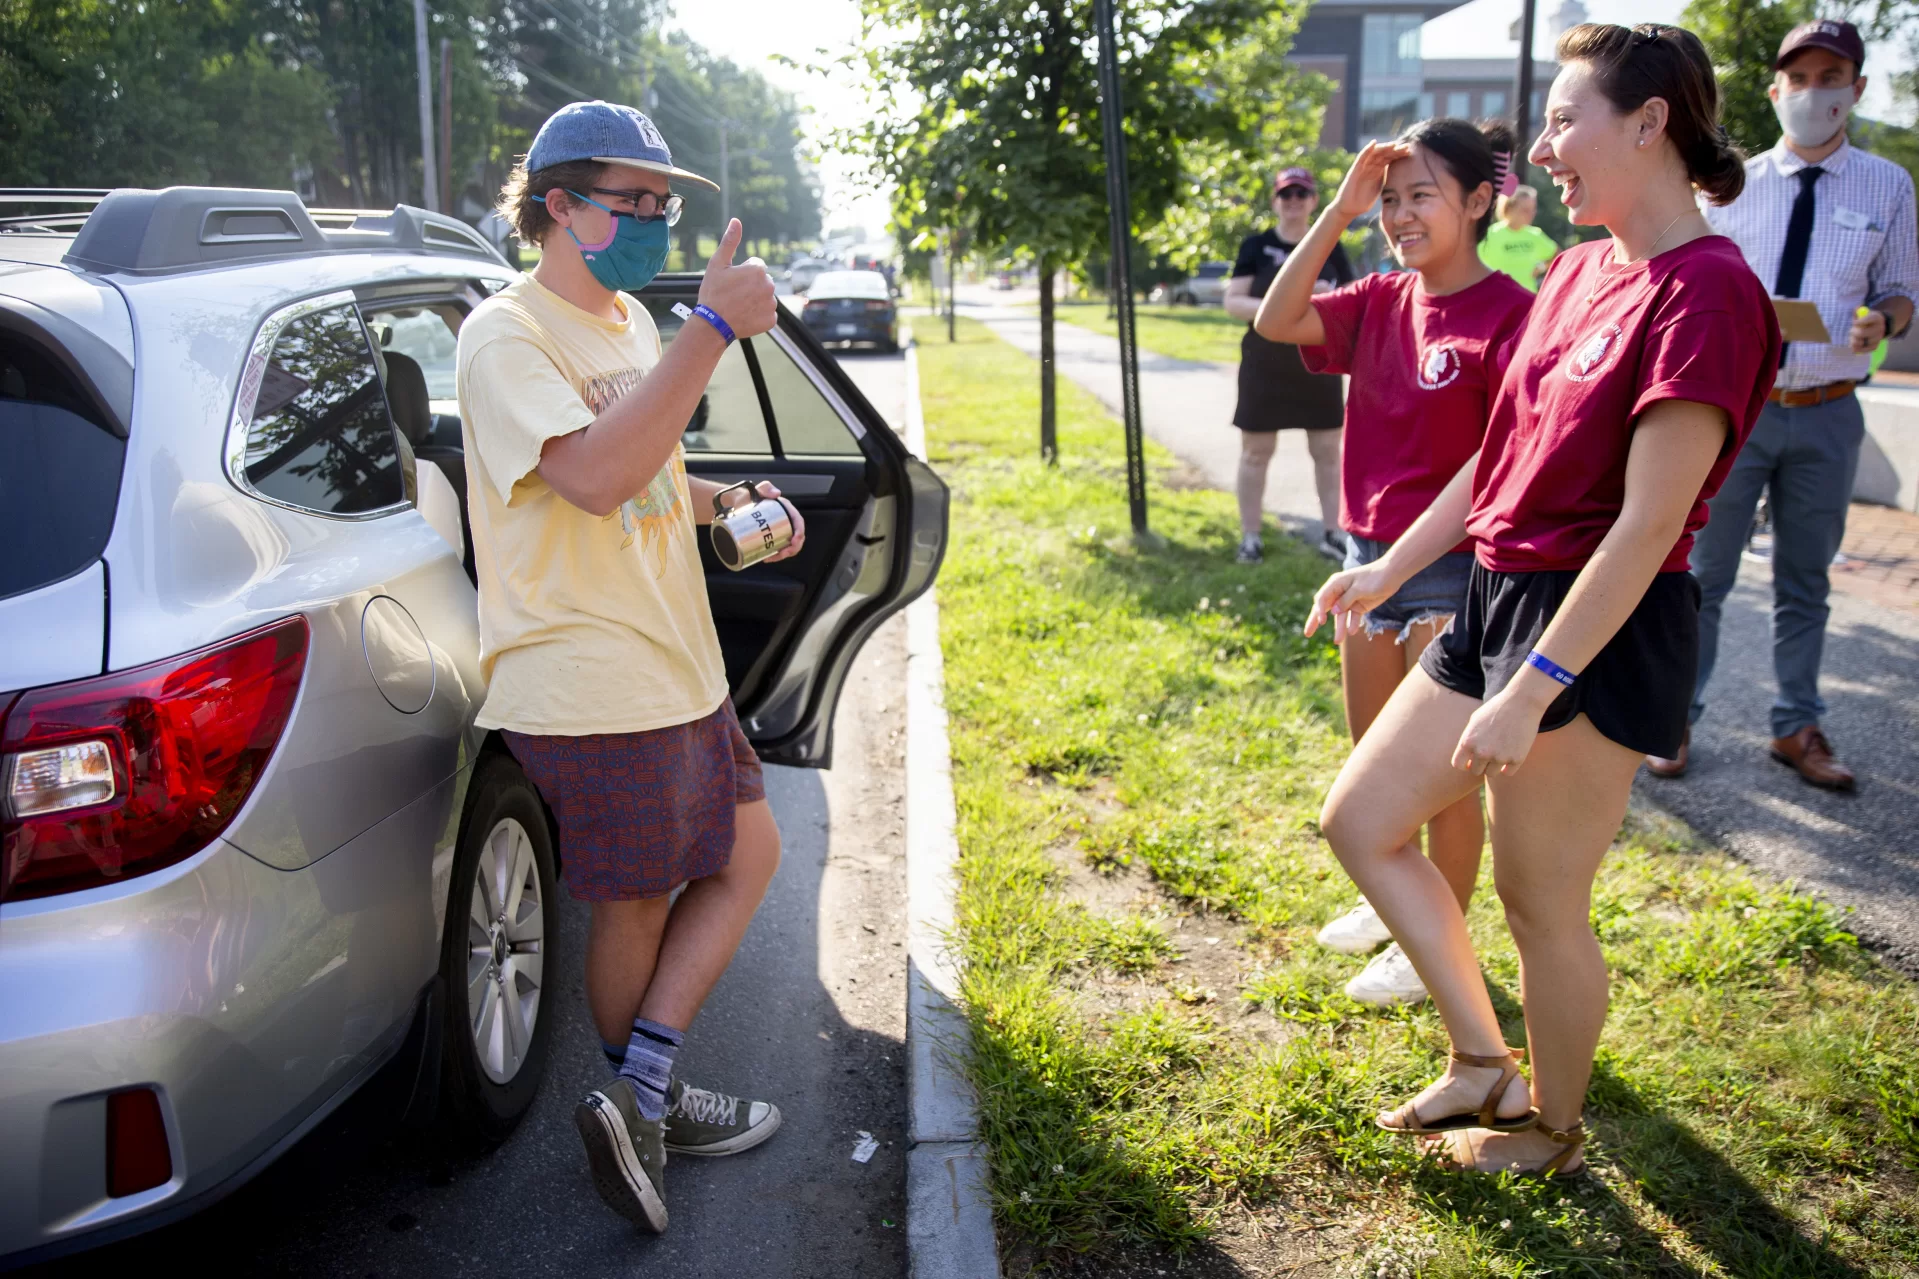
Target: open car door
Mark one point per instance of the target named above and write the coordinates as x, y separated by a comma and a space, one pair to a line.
780, 408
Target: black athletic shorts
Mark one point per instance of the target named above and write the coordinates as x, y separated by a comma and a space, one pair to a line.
1637, 692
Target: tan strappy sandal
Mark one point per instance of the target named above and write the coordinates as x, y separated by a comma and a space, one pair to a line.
1407, 1122
1463, 1156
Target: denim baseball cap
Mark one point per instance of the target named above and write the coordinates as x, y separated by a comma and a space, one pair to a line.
606, 133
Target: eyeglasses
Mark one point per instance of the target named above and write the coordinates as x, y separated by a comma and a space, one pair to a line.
1293, 193
647, 206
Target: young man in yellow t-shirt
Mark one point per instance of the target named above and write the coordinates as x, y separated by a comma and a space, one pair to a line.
603, 668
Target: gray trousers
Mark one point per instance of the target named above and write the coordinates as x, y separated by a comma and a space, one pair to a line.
1806, 458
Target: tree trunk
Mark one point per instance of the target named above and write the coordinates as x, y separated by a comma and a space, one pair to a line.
1048, 436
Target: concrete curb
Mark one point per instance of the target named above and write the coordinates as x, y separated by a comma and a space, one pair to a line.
949, 1215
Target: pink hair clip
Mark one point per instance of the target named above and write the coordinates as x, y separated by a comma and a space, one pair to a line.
1506, 181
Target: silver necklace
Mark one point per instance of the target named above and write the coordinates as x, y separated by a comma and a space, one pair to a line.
1593, 292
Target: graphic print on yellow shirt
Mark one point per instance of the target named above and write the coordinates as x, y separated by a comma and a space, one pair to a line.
649, 516
588, 623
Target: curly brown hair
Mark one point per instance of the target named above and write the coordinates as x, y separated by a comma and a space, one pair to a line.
528, 216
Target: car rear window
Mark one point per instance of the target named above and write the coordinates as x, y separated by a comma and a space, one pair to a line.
321, 438
850, 284
59, 472
1214, 270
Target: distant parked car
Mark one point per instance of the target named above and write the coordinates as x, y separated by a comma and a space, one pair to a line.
1206, 286
804, 271
853, 307
253, 849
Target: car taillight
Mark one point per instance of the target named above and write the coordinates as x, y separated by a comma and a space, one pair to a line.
879, 306
815, 307
124, 774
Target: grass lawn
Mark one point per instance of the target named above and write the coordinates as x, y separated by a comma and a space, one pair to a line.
1184, 332
1170, 1078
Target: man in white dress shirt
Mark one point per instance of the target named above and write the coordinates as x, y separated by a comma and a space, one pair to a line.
1825, 222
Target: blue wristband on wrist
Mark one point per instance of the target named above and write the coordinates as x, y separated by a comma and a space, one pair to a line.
1539, 661
712, 317
708, 314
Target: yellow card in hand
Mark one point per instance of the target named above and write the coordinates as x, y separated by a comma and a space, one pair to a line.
1799, 321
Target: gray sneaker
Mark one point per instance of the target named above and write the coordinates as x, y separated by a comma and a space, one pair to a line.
701, 1122
627, 1154
1250, 551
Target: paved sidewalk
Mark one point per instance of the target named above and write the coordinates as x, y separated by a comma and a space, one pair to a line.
1882, 557
1857, 849
1186, 405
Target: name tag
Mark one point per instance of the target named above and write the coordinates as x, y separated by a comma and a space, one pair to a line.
1851, 220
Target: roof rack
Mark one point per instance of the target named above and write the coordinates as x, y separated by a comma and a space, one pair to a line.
140, 232
64, 209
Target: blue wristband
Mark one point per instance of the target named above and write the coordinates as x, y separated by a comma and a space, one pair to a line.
1540, 661
712, 317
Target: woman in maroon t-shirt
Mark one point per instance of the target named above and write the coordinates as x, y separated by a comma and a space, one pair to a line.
1642, 370
1423, 348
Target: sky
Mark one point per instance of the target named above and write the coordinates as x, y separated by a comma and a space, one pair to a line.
816, 31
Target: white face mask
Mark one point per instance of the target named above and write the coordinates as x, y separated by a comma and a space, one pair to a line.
1812, 117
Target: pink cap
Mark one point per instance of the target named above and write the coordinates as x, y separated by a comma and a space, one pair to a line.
1296, 177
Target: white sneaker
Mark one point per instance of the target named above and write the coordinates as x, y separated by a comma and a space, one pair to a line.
1357, 932
1387, 981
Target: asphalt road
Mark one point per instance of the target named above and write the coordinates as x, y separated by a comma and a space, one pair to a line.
811, 1016
1859, 850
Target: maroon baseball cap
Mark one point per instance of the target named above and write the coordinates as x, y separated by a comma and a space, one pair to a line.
1296, 177
1829, 34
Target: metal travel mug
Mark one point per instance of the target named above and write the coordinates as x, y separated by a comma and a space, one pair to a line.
745, 535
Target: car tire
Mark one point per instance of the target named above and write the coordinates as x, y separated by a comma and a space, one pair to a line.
498, 977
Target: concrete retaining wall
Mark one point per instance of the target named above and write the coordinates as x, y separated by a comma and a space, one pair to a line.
1889, 462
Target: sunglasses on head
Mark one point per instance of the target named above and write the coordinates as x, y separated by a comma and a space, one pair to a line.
1293, 193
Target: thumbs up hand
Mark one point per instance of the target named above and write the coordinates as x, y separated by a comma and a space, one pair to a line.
742, 293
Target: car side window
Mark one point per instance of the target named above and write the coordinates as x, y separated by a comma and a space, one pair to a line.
320, 437
806, 420
728, 418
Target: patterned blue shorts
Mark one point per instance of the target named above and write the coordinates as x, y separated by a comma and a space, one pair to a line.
642, 813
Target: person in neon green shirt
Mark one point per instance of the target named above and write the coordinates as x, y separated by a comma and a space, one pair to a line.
1514, 245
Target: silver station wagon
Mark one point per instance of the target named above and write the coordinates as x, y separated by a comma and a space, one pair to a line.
252, 849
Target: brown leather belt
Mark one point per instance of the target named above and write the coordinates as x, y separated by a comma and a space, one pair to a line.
1812, 395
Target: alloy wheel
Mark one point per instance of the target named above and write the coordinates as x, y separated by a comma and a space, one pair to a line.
506, 929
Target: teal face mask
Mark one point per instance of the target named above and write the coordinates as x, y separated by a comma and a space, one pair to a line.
632, 253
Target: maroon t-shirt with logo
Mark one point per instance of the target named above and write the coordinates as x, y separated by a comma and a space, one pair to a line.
1423, 370
1605, 342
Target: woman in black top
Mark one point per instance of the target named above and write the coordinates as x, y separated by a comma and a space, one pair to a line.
1275, 390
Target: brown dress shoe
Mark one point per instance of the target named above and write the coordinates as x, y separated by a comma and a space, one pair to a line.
1659, 766
1808, 751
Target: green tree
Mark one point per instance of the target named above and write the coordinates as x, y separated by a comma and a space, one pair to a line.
1227, 189
986, 117
1743, 37
145, 92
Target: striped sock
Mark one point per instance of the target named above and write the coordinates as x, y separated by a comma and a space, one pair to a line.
648, 1063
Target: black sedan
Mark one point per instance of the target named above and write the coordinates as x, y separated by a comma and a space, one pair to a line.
851, 307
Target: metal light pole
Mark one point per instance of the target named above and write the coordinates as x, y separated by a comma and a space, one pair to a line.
1523, 107
429, 175
1120, 277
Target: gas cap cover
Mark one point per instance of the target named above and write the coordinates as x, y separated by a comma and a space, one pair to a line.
397, 654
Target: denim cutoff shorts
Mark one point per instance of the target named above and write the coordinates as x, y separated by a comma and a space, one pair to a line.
1434, 594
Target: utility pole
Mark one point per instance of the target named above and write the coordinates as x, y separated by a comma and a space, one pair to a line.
1523, 104
952, 290
429, 177
1120, 203
446, 125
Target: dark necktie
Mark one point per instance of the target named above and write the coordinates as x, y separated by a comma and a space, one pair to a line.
1792, 262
